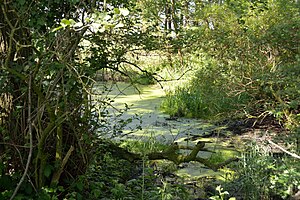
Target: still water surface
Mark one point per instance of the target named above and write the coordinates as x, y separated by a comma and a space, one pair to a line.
144, 103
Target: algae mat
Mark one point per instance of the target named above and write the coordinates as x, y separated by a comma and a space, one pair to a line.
148, 122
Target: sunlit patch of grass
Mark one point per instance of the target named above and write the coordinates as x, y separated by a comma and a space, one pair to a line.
144, 146
227, 174
222, 155
197, 103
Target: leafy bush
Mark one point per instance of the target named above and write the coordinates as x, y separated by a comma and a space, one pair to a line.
206, 95
248, 65
259, 175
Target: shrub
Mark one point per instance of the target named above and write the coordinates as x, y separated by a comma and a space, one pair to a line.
259, 175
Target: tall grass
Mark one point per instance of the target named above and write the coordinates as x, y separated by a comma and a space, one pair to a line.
207, 95
261, 175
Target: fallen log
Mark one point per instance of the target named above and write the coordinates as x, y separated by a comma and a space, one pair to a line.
173, 154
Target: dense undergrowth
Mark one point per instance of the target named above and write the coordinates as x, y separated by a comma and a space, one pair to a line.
249, 66
237, 59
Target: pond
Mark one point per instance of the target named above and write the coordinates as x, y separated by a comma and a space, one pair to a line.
144, 110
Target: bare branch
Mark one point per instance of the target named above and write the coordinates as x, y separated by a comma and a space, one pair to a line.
30, 141
284, 150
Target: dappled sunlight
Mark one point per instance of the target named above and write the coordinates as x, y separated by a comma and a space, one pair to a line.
149, 99
194, 170
144, 103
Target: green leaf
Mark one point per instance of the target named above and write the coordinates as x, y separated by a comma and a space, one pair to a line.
80, 186
56, 29
40, 21
218, 188
48, 170
6, 182
74, 1
96, 193
116, 11
72, 21
21, 2
67, 22
87, 19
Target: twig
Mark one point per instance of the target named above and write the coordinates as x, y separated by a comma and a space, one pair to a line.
142, 70
21, 160
14, 145
282, 149
30, 142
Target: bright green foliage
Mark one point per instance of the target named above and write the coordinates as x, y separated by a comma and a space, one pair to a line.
222, 194
205, 96
112, 177
245, 60
260, 175
251, 63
